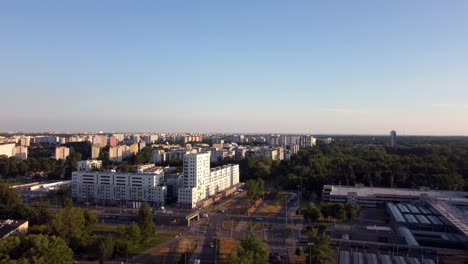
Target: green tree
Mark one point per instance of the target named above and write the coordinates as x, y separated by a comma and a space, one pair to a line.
37, 249
145, 222
255, 189
10, 204
74, 225
105, 248
320, 251
39, 213
311, 213
352, 211
251, 251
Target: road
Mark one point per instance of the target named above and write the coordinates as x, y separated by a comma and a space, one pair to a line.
205, 230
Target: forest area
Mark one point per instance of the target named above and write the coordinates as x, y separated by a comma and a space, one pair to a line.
433, 162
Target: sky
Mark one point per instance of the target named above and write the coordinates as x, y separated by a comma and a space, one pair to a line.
317, 67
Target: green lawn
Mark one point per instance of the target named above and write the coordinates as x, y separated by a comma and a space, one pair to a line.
159, 238
225, 249
254, 227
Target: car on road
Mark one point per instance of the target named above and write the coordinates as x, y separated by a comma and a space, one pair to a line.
197, 261
259, 219
205, 215
211, 245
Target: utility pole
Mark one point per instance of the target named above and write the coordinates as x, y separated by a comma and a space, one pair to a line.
310, 251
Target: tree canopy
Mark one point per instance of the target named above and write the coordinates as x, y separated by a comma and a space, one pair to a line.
320, 251
254, 188
145, 222
251, 251
36, 249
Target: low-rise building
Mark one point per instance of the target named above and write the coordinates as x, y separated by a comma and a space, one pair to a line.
377, 196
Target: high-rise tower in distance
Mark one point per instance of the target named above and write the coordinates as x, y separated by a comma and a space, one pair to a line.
393, 138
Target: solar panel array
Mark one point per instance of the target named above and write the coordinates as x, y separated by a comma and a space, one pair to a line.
408, 213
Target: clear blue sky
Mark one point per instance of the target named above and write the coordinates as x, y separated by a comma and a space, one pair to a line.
363, 67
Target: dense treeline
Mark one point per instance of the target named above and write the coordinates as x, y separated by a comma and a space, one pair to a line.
53, 235
40, 164
415, 163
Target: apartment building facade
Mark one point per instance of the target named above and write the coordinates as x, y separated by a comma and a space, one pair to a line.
199, 181
119, 188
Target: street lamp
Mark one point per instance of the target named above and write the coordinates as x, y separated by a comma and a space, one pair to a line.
310, 244
185, 246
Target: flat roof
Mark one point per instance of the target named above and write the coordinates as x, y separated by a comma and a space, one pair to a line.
454, 215
342, 190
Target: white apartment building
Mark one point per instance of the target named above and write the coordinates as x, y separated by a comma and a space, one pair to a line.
95, 150
159, 156
89, 165
120, 188
150, 139
290, 150
100, 140
25, 141
46, 139
13, 150
7, 149
307, 141
199, 181
61, 153
119, 137
76, 139
21, 152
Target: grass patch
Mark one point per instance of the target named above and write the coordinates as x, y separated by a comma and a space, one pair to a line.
225, 249
185, 245
159, 238
255, 227
230, 225
270, 210
274, 203
300, 259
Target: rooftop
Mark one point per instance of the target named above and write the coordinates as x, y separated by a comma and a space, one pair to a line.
375, 191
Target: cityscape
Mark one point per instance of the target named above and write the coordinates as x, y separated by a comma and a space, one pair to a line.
195, 198
241, 132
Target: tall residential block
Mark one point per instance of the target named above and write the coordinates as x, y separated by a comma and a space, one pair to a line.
113, 141
7, 149
117, 154
307, 141
393, 139
199, 181
95, 150
61, 153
